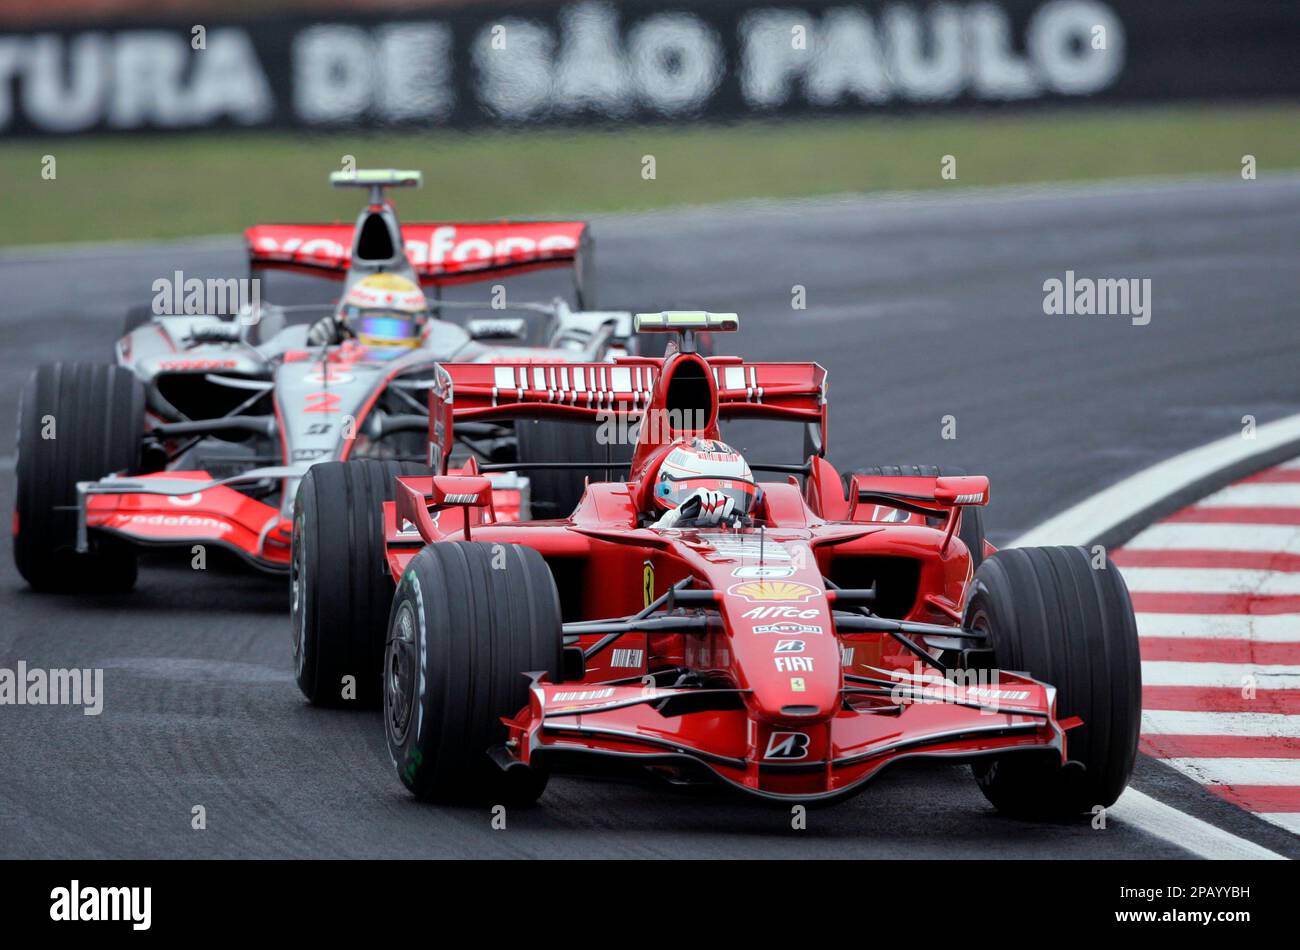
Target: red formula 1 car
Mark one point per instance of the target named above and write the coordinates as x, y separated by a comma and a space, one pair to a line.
845, 626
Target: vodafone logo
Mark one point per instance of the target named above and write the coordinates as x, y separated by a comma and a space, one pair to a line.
177, 521
447, 247
173, 365
184, 501
445, 244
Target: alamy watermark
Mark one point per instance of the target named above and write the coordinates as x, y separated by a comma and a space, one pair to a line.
923, 686
179, 295
1105, 296
621, 428
26, 686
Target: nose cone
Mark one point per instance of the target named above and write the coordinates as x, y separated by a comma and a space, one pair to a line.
785, 649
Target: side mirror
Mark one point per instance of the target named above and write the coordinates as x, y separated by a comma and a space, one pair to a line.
961, 489
469, 491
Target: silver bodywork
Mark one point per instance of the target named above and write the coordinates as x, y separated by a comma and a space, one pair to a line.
249, 402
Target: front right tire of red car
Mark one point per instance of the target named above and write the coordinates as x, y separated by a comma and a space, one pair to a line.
470, 620
340, 588
1066, 620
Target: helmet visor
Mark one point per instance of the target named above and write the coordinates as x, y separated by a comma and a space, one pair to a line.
386, 330
673, 491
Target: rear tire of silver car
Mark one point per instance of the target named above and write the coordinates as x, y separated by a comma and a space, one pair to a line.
340, 588
971, 529
77, 422
554, 493
469, 621
1049, 613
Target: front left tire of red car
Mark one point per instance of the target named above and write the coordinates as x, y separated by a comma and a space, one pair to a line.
1067, 620
469, 621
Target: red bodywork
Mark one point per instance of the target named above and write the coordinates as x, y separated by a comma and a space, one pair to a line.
780, 698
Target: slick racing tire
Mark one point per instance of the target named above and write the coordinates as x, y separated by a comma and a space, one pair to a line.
971, 529
340, 588
469, 620
1049, 613
554, 493
77, 422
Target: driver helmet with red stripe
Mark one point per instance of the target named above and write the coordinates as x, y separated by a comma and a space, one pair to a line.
704, 463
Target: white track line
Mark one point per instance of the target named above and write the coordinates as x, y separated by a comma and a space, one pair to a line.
1178, 723
1218, 537
1255, 494
1220, 675
1290, 820
1187, 831
1216, 771
1095, 516
1270, 628
1210, 580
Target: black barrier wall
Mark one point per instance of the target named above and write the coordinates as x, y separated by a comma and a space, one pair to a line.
642, 62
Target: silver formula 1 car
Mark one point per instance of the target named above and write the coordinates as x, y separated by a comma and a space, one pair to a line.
202, 429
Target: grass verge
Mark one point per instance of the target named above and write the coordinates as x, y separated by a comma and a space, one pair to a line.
172, 186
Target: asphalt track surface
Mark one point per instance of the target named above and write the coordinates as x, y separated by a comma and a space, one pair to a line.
919, 308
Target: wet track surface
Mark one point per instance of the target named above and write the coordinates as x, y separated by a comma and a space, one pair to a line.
919, 309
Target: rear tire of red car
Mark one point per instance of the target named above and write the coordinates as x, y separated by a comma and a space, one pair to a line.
971, 529
340, 588
1049, 613
77, 422
469, 621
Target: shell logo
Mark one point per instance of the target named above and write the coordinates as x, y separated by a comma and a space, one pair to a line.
765, 592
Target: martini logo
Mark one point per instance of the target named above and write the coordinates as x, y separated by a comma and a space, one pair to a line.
788, 629
787, 745
763, 591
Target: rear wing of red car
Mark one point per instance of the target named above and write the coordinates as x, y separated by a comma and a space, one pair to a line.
440, 253
625, 387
